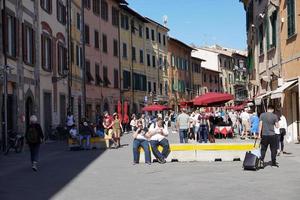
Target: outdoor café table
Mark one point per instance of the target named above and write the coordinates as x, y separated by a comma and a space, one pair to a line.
223, 130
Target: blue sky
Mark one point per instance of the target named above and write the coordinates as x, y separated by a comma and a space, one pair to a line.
202, 22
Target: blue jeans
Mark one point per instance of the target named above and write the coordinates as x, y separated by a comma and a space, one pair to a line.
183, 137
136, 154
203, 133
34, 152
166, 148
87, 141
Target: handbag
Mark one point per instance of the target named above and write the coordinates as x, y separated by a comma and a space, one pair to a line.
282, 131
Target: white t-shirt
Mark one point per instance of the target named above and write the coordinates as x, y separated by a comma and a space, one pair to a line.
141, 135
196, 117
70, 120
245, 116
73, 132
183, 121
158, 136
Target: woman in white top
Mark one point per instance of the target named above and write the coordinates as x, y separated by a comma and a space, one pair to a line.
282, 132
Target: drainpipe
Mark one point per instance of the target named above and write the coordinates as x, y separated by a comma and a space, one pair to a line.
83, 59
69, 62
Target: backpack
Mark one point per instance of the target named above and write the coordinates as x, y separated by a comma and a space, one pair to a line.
32, 135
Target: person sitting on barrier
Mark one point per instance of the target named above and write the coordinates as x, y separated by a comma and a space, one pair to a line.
86, 132
108, 132
75, 135
117, 129
157, 134
141, 140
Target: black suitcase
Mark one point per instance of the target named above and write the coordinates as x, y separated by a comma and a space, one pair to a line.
251, 161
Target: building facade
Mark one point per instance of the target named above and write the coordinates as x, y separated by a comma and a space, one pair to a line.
179, 72
196, 76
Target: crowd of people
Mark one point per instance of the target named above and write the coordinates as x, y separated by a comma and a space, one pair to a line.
153, 130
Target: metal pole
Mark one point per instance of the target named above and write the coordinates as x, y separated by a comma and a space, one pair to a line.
4, 72
83, 58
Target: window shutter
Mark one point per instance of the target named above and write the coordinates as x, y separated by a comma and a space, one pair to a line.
24, 43
33, 47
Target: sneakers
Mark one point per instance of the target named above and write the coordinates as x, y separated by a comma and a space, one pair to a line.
34, 166
161, 161
148, 163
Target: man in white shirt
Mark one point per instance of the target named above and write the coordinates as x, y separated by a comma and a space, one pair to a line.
70, 121
197, 124
157, 134
245, 123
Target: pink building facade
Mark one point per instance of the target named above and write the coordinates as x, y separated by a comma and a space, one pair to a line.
102, 56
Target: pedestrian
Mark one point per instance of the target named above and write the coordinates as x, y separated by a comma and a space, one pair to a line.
86, 131
196, 124
34, 137
282, 130
268, 121
157, 134
191, 129
245, 117
182, 125
254, 125
133, 123
108, 132
204, 127
117, 129
70, 121
141, 140
75, 135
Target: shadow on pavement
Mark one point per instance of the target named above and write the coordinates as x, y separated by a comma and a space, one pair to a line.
57, 167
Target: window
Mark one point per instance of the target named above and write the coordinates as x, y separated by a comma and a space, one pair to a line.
97, 74
140, 82
165, 63
210, 78
154, 87
141, 56
133, 54
124, 50
96, 7
153, 61
160, 62
116, 78
148, 60
152, 35
28, 45
141, 31
78, 56
126, 80
89, 77
166, 88
164, 40
216, 79
172, 60
46, 52
149, 86
72, 52
204, 78
104, 43
78, 24
160, 89
124, 22
261, 39
87, 34
61, 58
115, 16
47, 5
132, 26
87, 4
11, 38
291, 17
96, 39
106, 81
116, 51
61, 12
147, 33
104, 10
159, 38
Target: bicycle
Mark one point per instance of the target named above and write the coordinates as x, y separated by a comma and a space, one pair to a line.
15, 141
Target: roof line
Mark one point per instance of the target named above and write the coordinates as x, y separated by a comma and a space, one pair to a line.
162, 26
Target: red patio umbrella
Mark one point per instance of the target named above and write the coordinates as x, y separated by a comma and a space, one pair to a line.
155, 107
119, 110
126, 118
212, 98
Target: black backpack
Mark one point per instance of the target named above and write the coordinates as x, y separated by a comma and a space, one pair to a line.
33, 135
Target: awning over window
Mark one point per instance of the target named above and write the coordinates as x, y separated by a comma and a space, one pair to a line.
258, 99
279, 91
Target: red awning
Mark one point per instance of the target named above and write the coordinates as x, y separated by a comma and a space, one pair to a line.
212, 98
155, 107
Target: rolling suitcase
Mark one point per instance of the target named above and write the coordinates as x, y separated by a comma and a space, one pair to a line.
251, 161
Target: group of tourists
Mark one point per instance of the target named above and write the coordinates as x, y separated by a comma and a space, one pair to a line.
153, 130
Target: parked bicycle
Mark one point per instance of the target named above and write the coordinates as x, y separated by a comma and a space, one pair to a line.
15, 141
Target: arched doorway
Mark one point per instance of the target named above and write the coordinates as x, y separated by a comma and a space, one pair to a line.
28, 110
